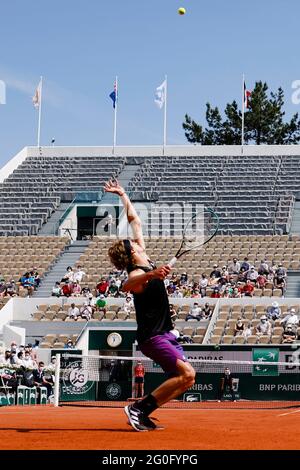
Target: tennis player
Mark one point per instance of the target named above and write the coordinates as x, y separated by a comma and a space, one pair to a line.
155, 340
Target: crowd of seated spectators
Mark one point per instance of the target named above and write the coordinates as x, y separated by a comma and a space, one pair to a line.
238, 279
29, 282
19, 366
289, 324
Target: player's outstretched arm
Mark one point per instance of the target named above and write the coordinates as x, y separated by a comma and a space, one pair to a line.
113, 186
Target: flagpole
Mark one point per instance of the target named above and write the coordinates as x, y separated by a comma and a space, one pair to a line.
165, 115
115, 116
243, 114
40, 113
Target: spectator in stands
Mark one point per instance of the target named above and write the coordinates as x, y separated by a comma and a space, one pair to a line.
280, 271
78, 275
37, 279
76, 289
216, 293
13, 347
27, 281
247, 289
12, 289
20, 357
183, 279
177, 293
252, 275
195, 313
101, 303
224, 276
85, 291
185, 339
40, 380
236, 294
67, 289
203, 284
274, 312
261, 281
128, 306
280, 283
290, 319
113, 290
69, 275
173, 313
207, 311
242, 276
86, 311
263, 268
69, 344
247, 331
102, 286
2, 288
245, 266
51, 366
195, 293
174, 279
289, 334
56, 290
234, 267
216, 273
239, 328
28, 362
73, 312
264, 327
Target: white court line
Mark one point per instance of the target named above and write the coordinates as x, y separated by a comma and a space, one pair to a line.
289, 413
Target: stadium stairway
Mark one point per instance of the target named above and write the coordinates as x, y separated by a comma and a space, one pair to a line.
293, 284
295, 227
50, 227
69, 257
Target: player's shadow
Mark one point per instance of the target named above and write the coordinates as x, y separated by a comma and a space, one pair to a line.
50, 430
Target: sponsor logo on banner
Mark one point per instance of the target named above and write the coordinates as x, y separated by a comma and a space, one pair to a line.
113, 391
76, 379
262, 355
192, 397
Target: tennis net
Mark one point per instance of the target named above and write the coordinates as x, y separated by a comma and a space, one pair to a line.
112, 381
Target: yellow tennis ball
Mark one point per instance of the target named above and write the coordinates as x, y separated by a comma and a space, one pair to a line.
181, 11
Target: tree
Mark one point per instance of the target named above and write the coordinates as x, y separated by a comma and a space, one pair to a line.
264, 122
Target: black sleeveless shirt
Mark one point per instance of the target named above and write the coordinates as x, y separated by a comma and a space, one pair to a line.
152, 308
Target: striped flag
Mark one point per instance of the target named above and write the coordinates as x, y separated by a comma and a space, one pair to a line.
247, 95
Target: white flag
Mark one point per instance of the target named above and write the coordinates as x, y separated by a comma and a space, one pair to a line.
36, 99
160, 94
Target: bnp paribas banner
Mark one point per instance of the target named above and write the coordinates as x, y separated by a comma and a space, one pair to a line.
263, 355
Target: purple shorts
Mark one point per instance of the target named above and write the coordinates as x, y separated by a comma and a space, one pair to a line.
163, 349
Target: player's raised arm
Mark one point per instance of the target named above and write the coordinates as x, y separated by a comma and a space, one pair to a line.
113, 186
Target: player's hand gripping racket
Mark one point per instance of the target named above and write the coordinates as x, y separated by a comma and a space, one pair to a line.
199, 230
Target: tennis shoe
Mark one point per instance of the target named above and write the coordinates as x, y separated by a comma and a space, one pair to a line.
137, 419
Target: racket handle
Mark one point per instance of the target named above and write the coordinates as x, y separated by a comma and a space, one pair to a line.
172, 262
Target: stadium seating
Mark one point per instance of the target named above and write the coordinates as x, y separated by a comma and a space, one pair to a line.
252, 195
36, 188
20, 254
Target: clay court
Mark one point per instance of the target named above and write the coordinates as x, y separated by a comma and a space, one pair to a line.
87, 428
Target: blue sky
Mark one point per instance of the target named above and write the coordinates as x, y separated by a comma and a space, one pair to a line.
80, 46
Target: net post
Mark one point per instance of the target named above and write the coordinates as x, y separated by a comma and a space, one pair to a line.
57, 376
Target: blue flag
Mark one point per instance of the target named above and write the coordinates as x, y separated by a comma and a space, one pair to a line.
114, 95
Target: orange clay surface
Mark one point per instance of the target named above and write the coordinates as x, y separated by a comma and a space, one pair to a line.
67, 428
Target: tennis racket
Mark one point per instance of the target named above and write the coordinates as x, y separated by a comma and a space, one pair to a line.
199, 230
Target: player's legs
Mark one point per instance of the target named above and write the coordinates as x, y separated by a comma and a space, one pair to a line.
176, 385
166, 351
